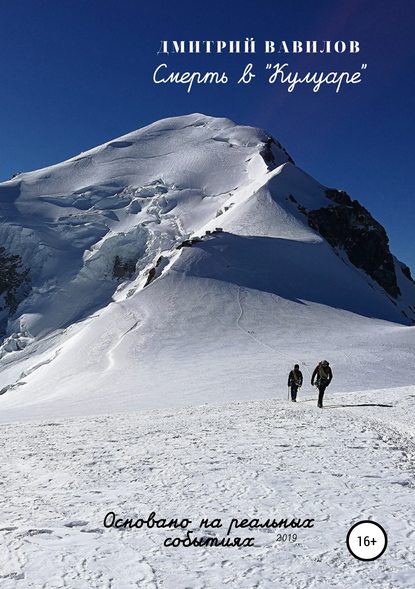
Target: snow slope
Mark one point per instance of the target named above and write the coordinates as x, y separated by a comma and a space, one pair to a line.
221, 320
256, 459
165, 390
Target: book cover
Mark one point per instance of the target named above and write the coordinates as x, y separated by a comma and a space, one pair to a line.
207, 308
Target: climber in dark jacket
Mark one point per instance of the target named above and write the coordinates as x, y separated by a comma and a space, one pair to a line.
322, 377
295, 380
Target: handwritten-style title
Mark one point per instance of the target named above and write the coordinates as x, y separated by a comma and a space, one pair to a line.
212, 525
278, 72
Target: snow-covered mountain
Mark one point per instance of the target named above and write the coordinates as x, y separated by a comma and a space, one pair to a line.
190, 261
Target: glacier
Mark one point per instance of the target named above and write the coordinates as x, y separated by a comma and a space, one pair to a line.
230, 283
176, 275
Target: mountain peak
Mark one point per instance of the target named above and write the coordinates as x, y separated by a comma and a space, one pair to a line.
187, 226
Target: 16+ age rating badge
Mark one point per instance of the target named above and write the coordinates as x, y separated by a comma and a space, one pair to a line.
366, 540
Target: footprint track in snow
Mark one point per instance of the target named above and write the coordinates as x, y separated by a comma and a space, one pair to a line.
168, 462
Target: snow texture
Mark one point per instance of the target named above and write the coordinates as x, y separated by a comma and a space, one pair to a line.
164, 389
254, 459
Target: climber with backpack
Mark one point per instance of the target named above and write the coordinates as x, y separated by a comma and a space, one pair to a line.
322, 377
295, 380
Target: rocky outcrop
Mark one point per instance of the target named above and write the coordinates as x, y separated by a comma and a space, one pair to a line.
348, 226
267, 153
123, 269
406, 271
14, 279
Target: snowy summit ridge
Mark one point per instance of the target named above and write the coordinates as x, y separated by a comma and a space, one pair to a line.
190, 245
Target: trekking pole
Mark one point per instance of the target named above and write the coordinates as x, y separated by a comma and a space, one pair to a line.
288, 394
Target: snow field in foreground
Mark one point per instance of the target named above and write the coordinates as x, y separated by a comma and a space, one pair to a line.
254, 459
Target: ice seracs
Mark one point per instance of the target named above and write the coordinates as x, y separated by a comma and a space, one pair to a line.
191, 261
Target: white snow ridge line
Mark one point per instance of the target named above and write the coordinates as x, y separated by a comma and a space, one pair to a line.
157, 291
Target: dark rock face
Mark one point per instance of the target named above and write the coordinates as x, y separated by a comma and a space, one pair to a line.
267, 153
152, 272
406, 271
188, 242
348, 226
123, 268
13, 279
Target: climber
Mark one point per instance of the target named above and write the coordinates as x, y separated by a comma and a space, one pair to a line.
322, 377
295, 380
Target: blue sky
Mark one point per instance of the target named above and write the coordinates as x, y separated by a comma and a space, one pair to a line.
76, 73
